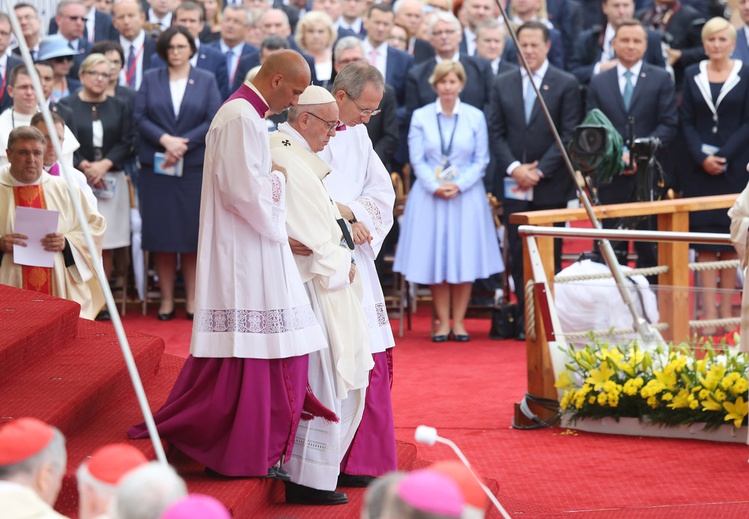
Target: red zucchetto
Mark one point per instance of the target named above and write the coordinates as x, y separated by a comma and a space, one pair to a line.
22, 439
110, 463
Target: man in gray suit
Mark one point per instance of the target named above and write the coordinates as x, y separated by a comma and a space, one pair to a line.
529, 167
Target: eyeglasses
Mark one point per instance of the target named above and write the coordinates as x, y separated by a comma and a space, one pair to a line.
62, 59
364, 112
77, 18
334, 125
97, 75
446, 32
178, 48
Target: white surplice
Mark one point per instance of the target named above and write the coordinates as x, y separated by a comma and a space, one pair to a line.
78, 282
10, 119
360, 181
338, 376
250, 301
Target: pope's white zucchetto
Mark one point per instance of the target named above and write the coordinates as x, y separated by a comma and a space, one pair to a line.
315, 95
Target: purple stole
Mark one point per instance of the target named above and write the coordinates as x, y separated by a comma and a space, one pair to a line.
249, 95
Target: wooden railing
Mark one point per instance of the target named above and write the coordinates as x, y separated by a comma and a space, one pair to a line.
672, 215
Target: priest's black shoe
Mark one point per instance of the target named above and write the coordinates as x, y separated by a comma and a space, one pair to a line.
301, 495
278, 473
347, 480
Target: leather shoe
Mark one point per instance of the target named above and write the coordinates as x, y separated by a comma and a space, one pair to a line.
347, 480
442, 338
190, 316
103, 316
460, 337
301, 495
273, 473
166, 317
278, 473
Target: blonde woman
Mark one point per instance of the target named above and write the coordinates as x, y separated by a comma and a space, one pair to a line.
715, 122
315, 35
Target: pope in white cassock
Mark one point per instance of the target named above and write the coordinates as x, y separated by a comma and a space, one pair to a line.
243, 390
24, 183
339, 374
362, 187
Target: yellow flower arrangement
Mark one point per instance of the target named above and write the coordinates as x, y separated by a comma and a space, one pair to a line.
668, 385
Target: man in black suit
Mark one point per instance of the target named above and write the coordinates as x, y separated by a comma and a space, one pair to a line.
474, 13
637, 90
593, 50
446, 35
6, 62
681, 28
232, 45
351, 19
31, 26
98, 25
490, 45
530, 169
129, 20
71, 22
392, 63
410, 14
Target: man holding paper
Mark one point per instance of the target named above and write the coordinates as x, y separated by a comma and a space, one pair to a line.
42, 247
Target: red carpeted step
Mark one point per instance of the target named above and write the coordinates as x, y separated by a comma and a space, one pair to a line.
33, 326
70, 386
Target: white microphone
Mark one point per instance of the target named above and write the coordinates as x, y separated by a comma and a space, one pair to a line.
428, 436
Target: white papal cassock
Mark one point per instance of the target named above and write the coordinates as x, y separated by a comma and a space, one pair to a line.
338, 375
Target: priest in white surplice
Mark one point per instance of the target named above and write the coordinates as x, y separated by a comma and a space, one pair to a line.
362, 187
241, 394
338, 375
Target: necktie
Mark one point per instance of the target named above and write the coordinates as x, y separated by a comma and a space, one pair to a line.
628, 89
229, 70
528, 99
373, 57
131, 67
70, 44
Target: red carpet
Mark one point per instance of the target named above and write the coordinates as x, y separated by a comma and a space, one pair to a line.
465, 391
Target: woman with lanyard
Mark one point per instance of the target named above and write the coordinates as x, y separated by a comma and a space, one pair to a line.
448, 239
105, 132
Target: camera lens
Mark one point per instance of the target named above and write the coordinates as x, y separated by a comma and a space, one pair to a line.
591, 140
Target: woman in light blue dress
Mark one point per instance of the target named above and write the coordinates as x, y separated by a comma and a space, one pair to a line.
448, 239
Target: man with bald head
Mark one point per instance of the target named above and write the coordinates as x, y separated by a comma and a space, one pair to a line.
339, 374
238, 400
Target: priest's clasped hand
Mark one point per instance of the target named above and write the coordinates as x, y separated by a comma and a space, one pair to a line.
299, 248
8, 240
54, 242
360, 233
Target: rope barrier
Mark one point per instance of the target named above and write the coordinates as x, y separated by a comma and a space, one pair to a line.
530, 311
650, 271
707, 323
613, 331
714, 265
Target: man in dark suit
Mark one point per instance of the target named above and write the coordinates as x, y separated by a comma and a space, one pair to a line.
6, 62
681, 29
71, 22
566, 16
637, 90
191, 15
234, 23
474, 12
593, 50
741, 52
490, 44
129, 20
98, 25
392, 63
352, 12
410, 14
530, 169
333, 9
28, 19
446, 35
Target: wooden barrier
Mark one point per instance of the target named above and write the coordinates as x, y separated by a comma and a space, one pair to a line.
672, 215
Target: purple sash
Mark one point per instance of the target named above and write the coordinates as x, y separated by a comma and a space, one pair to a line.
55, 170
249, 95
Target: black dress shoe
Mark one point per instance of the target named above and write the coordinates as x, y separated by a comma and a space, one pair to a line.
273, 473
301, 495
278, 473
103, 316
166, 317
190, 316
441, 338
462, 337
347, 480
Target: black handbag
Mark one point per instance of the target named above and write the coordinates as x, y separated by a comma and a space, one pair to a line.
504, 322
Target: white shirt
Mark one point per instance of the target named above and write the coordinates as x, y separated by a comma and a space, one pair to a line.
236, 55
455, 57
381, 56
164, 22
91, 23
607, 53
177, 89
138, 45
356, 26
620, 70
470, 39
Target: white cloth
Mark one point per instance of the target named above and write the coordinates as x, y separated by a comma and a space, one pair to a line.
10, 119
596, 304
20, 502
77, 282
250, 300
360, 181
339, 375
739, 215
177, 89
116, 211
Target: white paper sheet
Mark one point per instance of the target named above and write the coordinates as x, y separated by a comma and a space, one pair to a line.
36, 224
